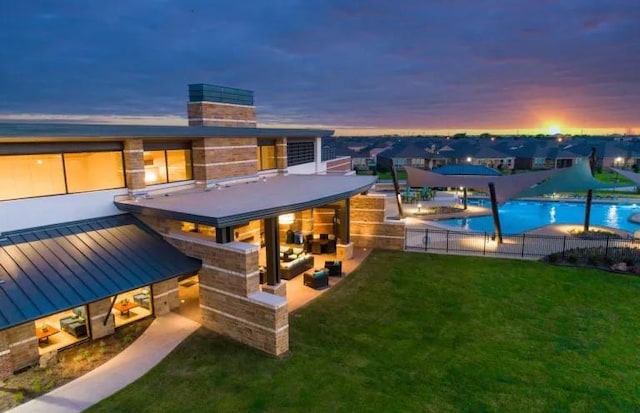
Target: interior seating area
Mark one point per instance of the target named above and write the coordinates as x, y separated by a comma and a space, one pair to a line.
294, 261
334, 268
321, 243
131, 306
61, 330
75, 324
317, 279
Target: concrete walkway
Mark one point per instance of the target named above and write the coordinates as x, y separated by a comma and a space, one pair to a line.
162, 336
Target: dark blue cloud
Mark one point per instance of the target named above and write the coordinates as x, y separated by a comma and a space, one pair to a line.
409, 64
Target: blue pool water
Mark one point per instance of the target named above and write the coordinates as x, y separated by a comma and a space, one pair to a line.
520, 216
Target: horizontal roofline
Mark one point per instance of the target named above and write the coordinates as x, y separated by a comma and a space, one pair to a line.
67, 130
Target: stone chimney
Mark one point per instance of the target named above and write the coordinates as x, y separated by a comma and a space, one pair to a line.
212, 105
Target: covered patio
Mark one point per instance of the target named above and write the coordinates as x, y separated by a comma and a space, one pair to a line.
252, 263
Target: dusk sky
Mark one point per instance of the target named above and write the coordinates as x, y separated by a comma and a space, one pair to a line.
452, 66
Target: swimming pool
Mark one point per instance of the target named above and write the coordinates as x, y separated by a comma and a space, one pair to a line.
520, 216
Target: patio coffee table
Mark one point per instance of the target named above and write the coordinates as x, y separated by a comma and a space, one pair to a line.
125, 307
43, 333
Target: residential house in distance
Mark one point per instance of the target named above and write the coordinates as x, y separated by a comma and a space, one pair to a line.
101, 225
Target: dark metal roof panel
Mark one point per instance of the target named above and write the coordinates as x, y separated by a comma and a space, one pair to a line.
50, 269
63, 131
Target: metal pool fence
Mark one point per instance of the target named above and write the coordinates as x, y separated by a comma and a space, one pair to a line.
520, 246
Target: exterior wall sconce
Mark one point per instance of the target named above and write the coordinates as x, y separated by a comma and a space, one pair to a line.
286, 219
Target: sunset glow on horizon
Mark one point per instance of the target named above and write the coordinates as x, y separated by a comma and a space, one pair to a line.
368, 67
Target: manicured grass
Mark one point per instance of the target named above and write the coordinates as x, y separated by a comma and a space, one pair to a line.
411, 332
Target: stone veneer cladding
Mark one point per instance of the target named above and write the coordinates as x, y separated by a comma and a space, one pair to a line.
134, 164
230, 298
342, 164
281, 154
6, 367
23, 344
165, 296
323, 220
221, 114
98, 311
369, 229
220, 158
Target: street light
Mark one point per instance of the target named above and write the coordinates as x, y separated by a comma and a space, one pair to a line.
419, 206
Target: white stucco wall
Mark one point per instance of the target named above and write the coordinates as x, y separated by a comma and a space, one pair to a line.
307, 168
35, 212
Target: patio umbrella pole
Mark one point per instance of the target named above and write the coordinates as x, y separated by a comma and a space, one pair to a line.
494, 210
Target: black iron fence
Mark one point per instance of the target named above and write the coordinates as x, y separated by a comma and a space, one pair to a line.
521, 246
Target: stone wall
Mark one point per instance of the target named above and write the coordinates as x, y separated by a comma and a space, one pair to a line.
6, 367
98, 311
165, 296
23, 345
323, 220
230, 298
342, 164
220, 158
369, 228
248, 232
221, 114
304, 221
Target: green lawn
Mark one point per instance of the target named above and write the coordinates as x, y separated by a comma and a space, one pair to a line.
411, 332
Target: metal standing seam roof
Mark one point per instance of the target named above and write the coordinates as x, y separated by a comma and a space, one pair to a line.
244, 202
50, 269
62, 130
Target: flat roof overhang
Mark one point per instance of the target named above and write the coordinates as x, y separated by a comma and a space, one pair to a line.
35, 132
225, 206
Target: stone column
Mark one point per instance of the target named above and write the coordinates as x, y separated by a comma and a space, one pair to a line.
230, 298
134, 165
165, 296
98, 311
281, 155
220, 158
368, 226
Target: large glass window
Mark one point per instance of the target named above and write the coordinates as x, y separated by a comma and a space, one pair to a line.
179, 165
24, 176
300, 152
167, 166
155, 167
92, 171
132, 305
61, 329
266, 156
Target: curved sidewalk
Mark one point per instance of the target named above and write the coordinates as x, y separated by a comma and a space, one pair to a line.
160, 338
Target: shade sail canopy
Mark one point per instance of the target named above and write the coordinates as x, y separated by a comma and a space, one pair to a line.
574, 179
243, 202
466, 169
50, 269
